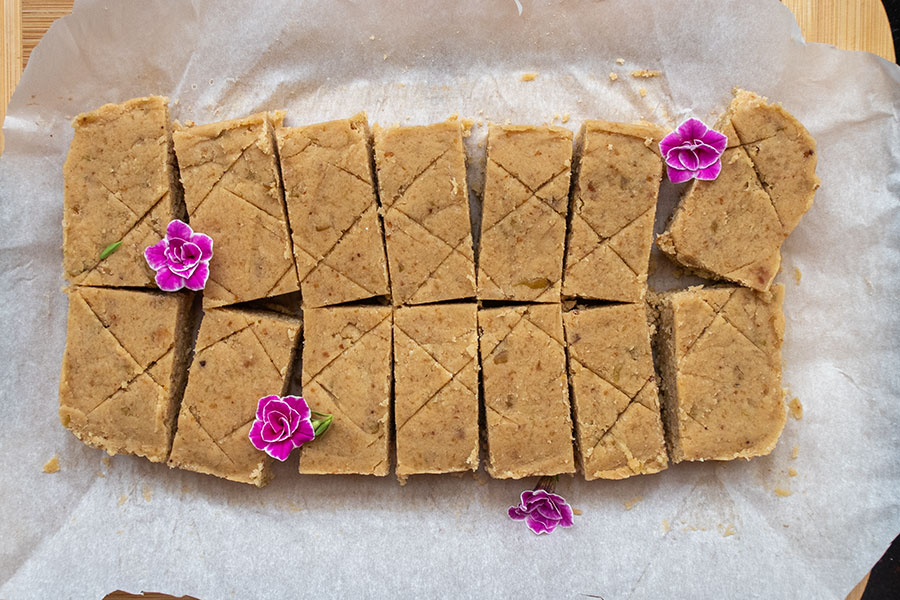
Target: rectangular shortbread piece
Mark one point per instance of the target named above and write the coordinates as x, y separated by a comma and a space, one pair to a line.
526, 395
332, 212
428, 235
436, 388
233, 194
124, 368
121, 186
614, 392
347, 372
240, 357
613, 208
720, 358
523, 226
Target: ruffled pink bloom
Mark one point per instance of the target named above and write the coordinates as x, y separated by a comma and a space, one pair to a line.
281, 425
542, 511
181, 259
693, 150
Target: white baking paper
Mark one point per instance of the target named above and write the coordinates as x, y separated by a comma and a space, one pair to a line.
694, 531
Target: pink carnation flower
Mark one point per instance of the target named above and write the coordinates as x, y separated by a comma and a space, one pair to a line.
181, 259
541, 509
285, 423
693, 150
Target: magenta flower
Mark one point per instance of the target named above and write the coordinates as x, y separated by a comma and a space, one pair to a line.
541, 509
283, 424
693, 150
181, 259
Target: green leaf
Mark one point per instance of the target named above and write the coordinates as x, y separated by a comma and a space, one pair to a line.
110, 249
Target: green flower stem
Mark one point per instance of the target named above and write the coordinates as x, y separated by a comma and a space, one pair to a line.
321, 425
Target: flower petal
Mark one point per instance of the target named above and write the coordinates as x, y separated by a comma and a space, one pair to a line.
262, 404
168, 281
205, 243
678, 175
672, 140
706, 155
280, 450
197, 280
255, 435
692, 129
718, 140
516, 514
710, 172
539, 526
298, 404
304, 433
179, 229
688, 158
156, 255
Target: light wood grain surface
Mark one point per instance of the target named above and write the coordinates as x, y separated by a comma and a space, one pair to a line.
848, 24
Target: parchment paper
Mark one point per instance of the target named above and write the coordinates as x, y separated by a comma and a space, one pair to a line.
96, 526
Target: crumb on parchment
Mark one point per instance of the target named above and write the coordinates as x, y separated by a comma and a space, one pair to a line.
613, 76
576, 511
728, 531
642, 92
620, 61
52, 465
797, 275
529, 76
792, 472
629, 504
795, 452
565, 118
782, 493
645, 73
666, 527
796, 408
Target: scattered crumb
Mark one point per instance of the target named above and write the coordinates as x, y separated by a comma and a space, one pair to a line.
729, 530
148, 492
792, 472
479, 123
529, 76
106, 461
384, 57
796, 408
642, 92
648, 142
52, 465
556, 117
123, 500
666, 526
576, 511
782, 493
453, 117
565, 118
645, 73
613, 76
797, 275
629, 504
609, 146
120, 531
101, 474
620, 61
293, 507
795, 451
371, 37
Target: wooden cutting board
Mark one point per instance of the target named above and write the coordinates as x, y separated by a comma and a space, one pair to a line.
848, 24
